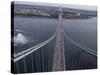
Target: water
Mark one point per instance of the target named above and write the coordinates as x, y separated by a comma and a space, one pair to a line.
30, 31
82, 31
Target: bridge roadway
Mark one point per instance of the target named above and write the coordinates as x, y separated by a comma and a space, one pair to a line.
59, 61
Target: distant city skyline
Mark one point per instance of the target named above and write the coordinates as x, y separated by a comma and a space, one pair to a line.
84, 7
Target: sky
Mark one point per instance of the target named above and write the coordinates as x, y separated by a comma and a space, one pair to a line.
85, 7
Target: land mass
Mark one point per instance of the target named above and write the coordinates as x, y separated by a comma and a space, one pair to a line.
52, 12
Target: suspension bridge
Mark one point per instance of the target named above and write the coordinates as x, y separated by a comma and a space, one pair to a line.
50, 55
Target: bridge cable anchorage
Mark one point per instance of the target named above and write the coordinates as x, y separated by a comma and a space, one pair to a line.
25, 53
81, 46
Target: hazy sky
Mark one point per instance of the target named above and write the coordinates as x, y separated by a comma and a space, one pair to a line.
63, 5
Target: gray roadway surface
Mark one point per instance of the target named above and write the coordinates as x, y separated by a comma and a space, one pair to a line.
58, 62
